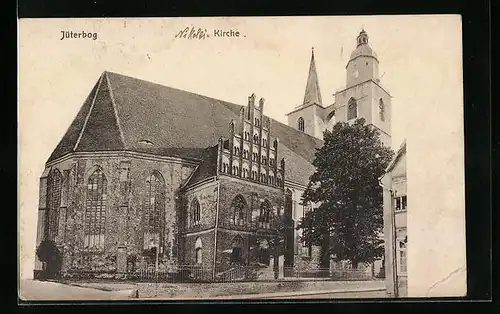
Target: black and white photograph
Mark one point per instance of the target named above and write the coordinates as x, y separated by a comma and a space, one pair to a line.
241, 158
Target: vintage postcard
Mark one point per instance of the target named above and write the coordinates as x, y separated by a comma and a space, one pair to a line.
244, 158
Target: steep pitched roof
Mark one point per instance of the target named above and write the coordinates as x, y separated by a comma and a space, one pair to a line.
126, 113
312, 94
207, 167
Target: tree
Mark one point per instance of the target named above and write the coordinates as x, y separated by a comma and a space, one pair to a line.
349, 219
48, 253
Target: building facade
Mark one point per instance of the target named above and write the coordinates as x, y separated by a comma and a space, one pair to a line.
395, 224
151, 174
131, 183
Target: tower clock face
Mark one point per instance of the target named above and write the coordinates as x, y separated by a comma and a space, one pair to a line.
355, 74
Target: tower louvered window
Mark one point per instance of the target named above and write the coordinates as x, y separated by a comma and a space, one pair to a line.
352, 109
300, 123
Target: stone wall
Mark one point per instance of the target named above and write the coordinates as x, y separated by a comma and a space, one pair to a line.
125, 205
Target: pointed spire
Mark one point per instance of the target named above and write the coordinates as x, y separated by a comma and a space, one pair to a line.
312, 94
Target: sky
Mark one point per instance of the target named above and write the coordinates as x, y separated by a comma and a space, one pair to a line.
420, 65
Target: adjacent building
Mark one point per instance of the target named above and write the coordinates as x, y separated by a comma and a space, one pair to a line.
395, 224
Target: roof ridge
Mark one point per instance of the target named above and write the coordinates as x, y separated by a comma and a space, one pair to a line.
115, 111
209, 98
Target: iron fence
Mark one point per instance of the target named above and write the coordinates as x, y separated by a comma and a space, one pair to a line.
195, 273
236, 273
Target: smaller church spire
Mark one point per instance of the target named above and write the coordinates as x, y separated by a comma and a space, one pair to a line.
312, 94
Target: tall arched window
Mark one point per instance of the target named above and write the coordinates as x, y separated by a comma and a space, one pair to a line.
198, 250
300, 122
154, 208
195, 213
95, 211
352, 109
381, 106
54, 202
238, 210
265, 214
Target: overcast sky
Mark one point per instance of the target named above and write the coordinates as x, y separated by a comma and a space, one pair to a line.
420, 60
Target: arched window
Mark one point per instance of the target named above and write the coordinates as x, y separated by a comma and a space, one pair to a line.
381, 106
154, 208
352, 109
95, 211
195, 213
54, 202
238, 210
300, 122
198, 250
237, 250
265, 214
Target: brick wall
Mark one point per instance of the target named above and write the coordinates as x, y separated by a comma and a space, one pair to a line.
207, 240
253, 194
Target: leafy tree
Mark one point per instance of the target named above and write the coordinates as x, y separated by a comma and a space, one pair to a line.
48, 253
349, 220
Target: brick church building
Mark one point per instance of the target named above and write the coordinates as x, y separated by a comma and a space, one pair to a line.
200, 180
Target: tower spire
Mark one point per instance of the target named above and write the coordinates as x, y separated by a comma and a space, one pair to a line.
312, 94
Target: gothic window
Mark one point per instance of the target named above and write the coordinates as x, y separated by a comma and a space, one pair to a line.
265, 214
275, 143
198, 250
95, 211
238, 210
352, 109
382, 109
195, 213
263, 159
300, 122
225, 167
54, 202
153, 211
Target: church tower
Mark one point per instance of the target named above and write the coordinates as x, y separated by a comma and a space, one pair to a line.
364, 96
308, 117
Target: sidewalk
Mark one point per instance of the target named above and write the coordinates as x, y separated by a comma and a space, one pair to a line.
34, 290
253, 290
40, 290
